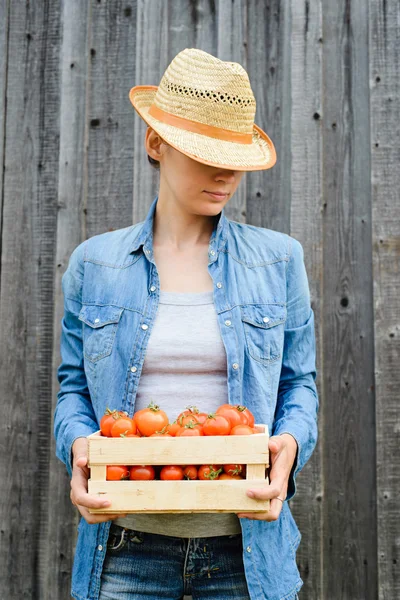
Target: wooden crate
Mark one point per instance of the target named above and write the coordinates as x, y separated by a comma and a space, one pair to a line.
179, 496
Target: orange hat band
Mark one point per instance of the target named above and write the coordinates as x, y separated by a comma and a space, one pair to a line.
195, 127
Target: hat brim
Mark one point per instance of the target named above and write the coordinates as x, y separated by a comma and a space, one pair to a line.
258, 155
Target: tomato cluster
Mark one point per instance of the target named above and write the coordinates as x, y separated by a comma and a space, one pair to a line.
152, 421
175, 472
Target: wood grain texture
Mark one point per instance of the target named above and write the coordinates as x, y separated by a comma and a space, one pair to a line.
234, 449
62, 517
349, 506
385, 157
31, 148
268, 66
111, 72
4, 40
326, 80
178, 496
306, 226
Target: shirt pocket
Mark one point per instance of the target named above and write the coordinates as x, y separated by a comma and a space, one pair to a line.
99, 328
264, 326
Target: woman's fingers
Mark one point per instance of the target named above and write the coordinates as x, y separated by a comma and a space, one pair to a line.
81, 461
271, 515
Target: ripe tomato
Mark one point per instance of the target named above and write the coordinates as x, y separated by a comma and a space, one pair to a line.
226, 476
122, 427
116, 473
231, 413
142, 473
150, 419
190, 472
242, 430
201, 418
171, 472
190, 410
216, 425
172, 428
160, 434
186, 420
246, 415
108, 420
233, 469
209, 472
188, 431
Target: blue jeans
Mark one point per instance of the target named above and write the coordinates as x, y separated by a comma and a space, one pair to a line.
147, 565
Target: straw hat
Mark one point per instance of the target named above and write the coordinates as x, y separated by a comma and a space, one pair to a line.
204, 107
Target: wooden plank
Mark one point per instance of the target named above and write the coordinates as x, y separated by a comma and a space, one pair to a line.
4, 16
98, 472
162, 451
349, 510
306, 226
110, 150
255, 471
178, 496
268, 66
62, 515
385, 134
26, 303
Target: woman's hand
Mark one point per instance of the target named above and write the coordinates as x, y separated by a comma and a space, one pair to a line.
79, 486
283, 450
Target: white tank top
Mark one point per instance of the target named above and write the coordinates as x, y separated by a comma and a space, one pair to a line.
185, 364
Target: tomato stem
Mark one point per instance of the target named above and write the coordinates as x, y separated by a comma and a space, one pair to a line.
192, 408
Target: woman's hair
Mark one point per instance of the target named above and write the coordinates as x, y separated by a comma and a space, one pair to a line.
154, 163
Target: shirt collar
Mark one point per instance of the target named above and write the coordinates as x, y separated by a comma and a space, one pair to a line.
145, 234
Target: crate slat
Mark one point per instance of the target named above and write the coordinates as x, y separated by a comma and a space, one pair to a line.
178, 496
98, 473
183, 451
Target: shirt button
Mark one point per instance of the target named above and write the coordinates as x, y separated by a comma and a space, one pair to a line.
235, 365
100, 548
153, 288
265, 319
97, 320
248, 549
227, 322
133, 369
144, 326
219, 284
212, 252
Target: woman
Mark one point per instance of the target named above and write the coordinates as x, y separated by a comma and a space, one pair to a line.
188, 304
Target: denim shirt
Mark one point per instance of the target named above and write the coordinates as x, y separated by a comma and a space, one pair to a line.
261, 295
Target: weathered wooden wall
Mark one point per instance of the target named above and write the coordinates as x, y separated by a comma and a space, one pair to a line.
326, 79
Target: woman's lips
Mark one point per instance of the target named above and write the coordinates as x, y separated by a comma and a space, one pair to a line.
216, 196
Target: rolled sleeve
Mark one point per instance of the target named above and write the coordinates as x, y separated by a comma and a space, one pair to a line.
297, 403
74, 416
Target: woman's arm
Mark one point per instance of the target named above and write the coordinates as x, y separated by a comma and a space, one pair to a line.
297, 403
74, 416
